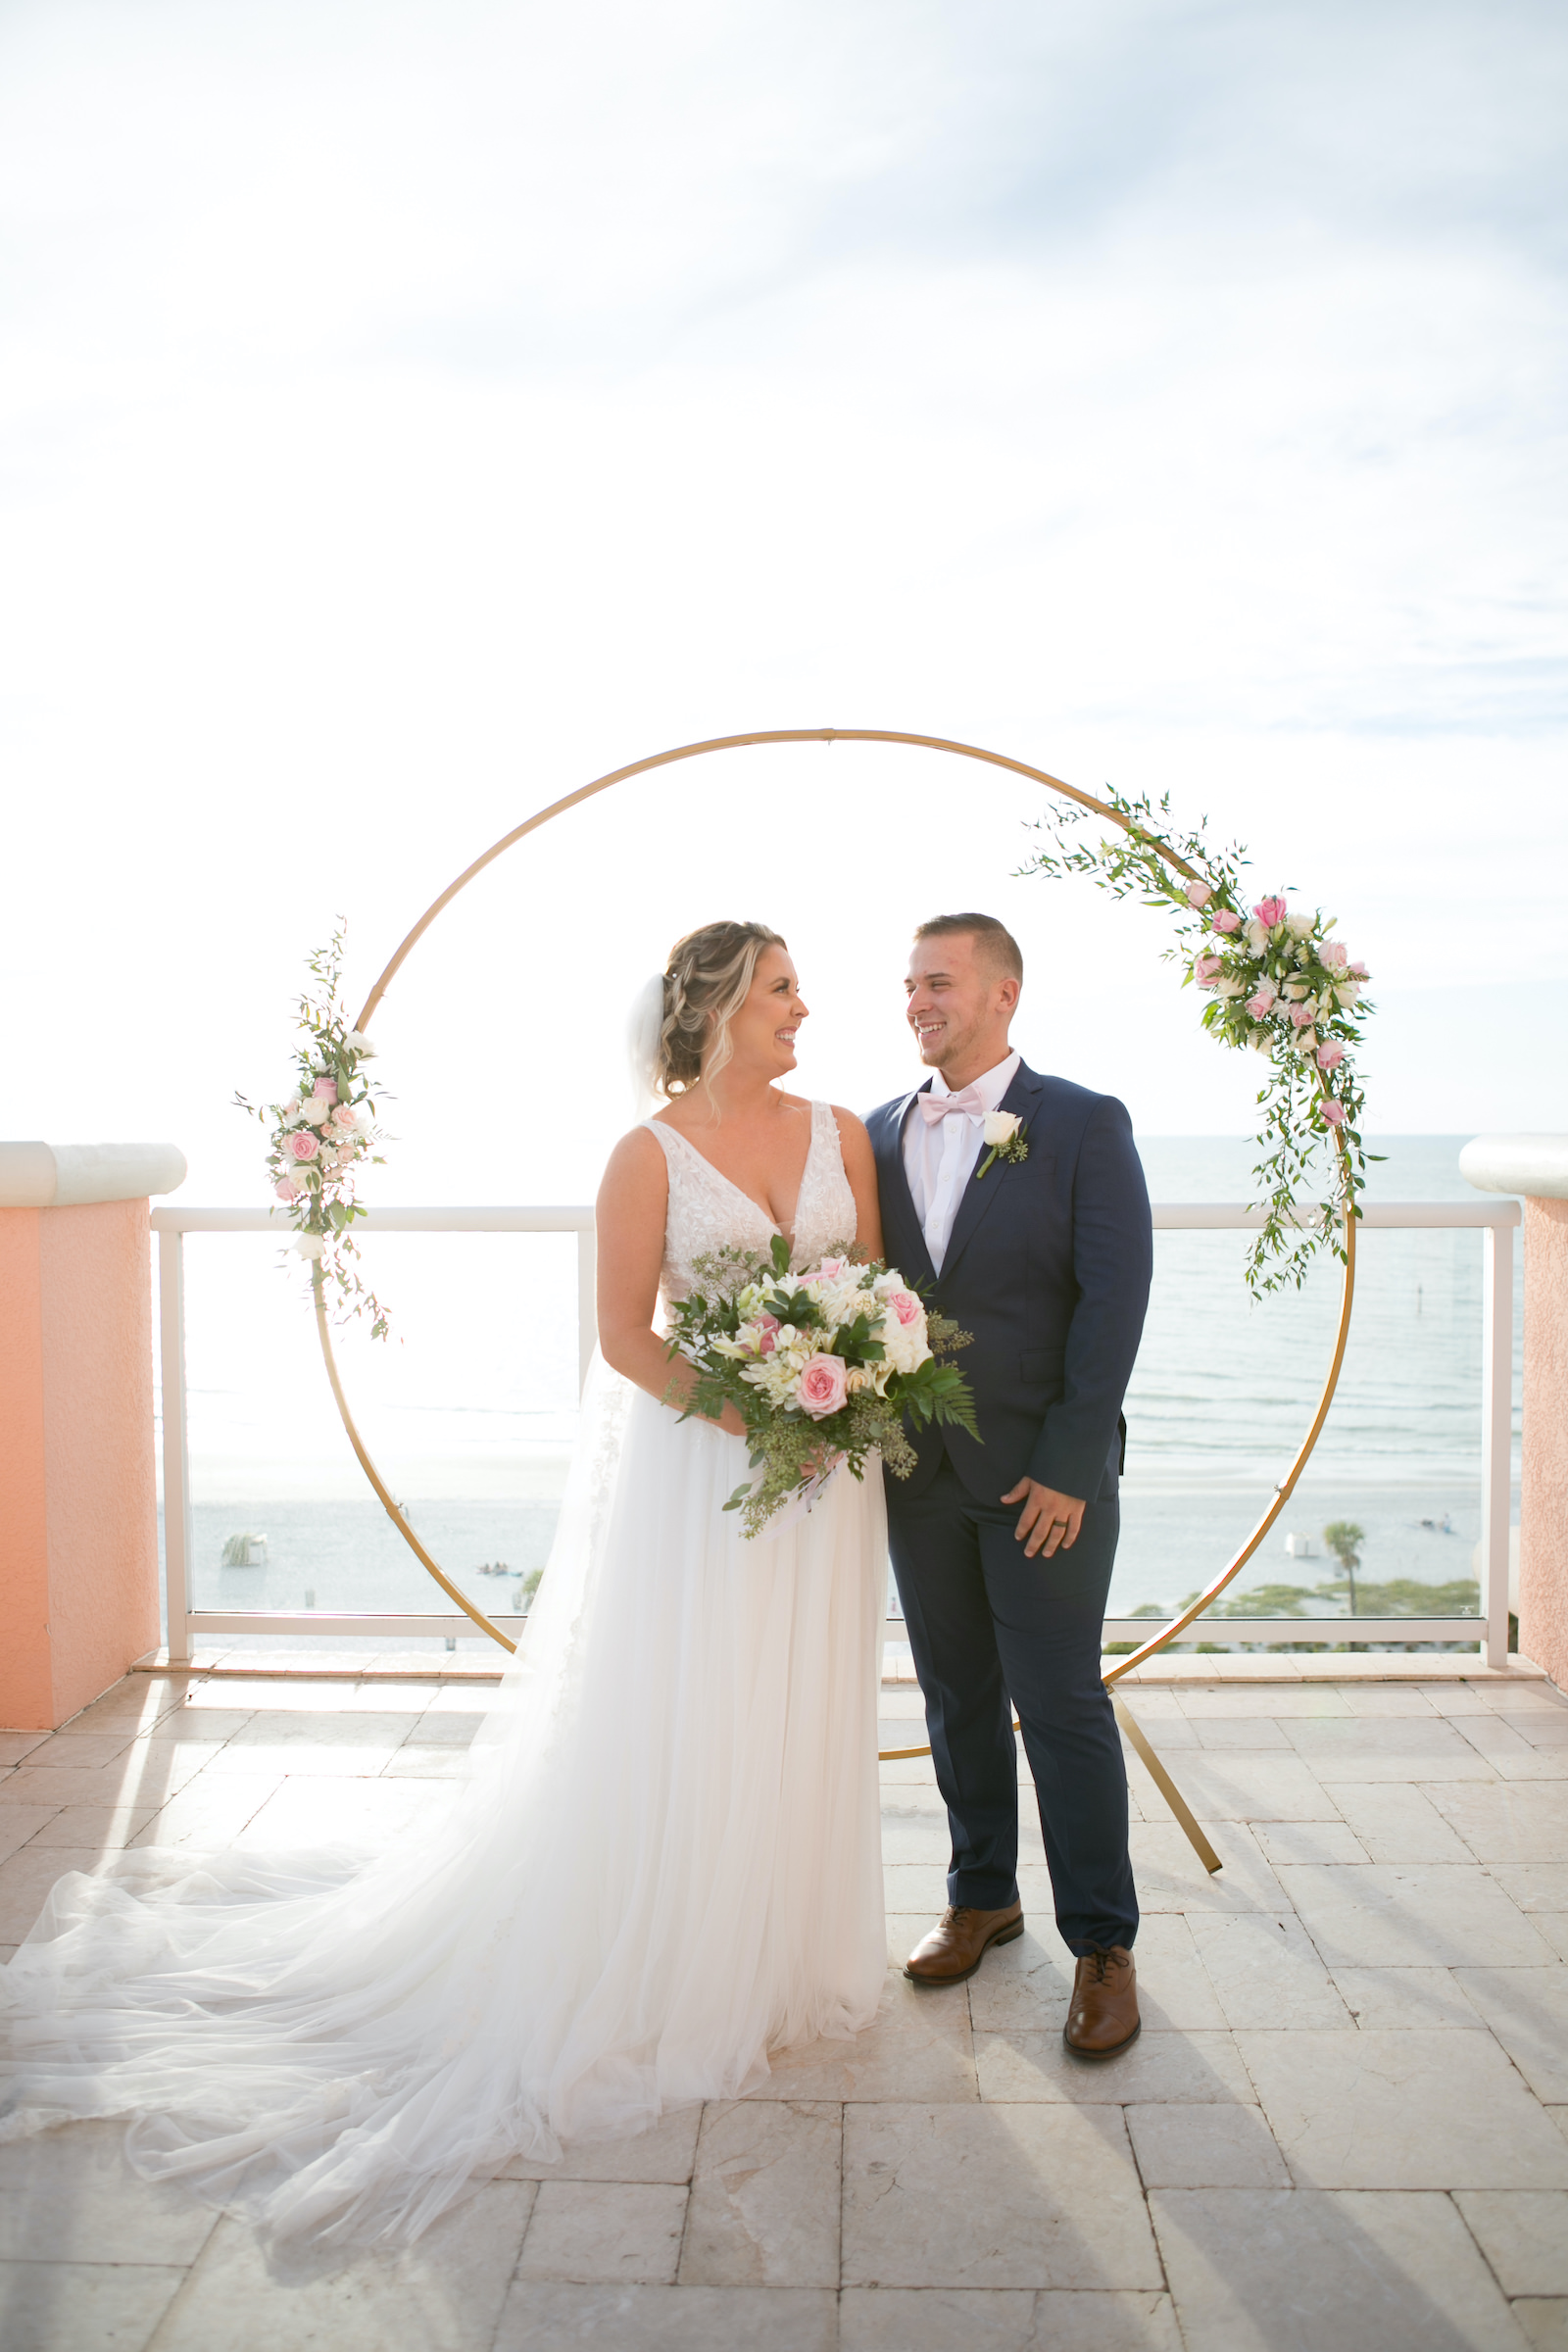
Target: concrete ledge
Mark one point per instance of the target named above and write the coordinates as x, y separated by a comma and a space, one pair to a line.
1536, 1165
78, 1175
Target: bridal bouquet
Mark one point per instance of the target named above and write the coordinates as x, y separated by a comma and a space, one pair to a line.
821, 1366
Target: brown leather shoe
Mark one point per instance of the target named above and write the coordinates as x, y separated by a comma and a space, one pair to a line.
959, 1941
1103, 2016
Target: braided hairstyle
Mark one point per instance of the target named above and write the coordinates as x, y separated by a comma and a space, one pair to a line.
707, 981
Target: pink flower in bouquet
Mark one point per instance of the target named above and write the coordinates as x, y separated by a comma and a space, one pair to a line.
1301, 1015
822, 1386
1358, 971
1225, 920
1261, 1005
1330, 1056
1333, 1112
303, 1144
831, 1268
1199, 894
1206, 970
1270, 911
345, 1117
326, 1087
1335, 954
902, 1305
766, 1329
288, 1190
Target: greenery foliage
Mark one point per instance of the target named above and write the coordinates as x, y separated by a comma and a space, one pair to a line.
1275, 982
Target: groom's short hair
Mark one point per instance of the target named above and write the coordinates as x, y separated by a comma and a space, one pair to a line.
992, 940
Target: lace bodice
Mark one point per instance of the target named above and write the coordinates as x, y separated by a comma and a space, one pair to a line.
709, 1212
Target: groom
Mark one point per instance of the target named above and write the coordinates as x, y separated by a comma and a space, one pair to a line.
1003, 1549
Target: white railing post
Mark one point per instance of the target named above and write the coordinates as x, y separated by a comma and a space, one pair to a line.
178, 1543
1496, 1435
587, 1306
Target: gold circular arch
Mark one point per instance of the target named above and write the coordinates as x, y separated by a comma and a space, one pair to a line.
732, 743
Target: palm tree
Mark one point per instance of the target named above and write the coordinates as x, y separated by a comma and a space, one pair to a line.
1345, 1540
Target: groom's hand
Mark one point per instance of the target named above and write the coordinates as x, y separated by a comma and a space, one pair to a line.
1048, 1522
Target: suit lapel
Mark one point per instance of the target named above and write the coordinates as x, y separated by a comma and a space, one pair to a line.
974, 1201
915, 1262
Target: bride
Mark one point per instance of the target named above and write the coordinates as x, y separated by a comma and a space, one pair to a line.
664, 1863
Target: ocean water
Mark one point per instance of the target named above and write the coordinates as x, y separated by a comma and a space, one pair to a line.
471, 1414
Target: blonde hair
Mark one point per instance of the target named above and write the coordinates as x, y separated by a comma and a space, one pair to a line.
707, 981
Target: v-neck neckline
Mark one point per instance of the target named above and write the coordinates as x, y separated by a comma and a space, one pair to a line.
785, 1231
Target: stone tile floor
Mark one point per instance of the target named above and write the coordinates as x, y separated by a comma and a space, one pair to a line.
1345, 2124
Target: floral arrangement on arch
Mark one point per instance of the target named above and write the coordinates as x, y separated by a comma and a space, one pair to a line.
1278, 983
322, 1136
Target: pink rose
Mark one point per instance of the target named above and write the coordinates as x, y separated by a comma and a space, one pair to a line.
345, 1117
1260, 1006
1301, 1015
1334, 953
1199, 894
1225, 920
1206, 970
831, 1268
326, 1088
767, 1334
1330, 1056
303, 1144
288, 1190
1270, 911
1358, 971
822, 1386
902, 1305
1333, 1112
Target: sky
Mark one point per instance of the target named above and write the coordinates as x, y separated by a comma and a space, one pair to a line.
413, 410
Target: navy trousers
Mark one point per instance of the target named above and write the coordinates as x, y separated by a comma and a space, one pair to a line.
991, 1632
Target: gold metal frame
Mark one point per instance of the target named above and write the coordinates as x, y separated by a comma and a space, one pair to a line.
962, 751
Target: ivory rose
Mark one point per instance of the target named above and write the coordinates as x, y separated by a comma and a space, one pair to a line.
309, 1245
821, 1387
1000, 1127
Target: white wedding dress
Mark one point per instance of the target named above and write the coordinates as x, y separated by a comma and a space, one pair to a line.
664, 1864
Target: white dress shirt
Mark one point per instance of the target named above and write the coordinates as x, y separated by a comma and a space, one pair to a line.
940, 1156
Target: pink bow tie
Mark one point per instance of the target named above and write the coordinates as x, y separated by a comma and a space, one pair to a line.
945, 1106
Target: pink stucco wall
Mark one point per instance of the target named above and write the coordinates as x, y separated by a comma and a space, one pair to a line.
78, 1514
1543, 1497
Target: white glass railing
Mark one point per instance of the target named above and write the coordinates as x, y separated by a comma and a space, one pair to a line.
1494, 1217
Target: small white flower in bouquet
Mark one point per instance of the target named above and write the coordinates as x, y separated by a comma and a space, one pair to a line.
823, 1367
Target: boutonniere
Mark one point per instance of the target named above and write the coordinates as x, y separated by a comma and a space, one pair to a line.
1000, 1132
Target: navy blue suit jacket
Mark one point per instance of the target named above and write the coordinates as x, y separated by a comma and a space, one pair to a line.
1049, 1267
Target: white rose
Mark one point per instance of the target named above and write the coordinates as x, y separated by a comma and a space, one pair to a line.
1229, 987
1000, 1127
1261, 1041
1348, 992
1307, 1041
1300, 927
358, 1042
309, 1245
1257, 934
